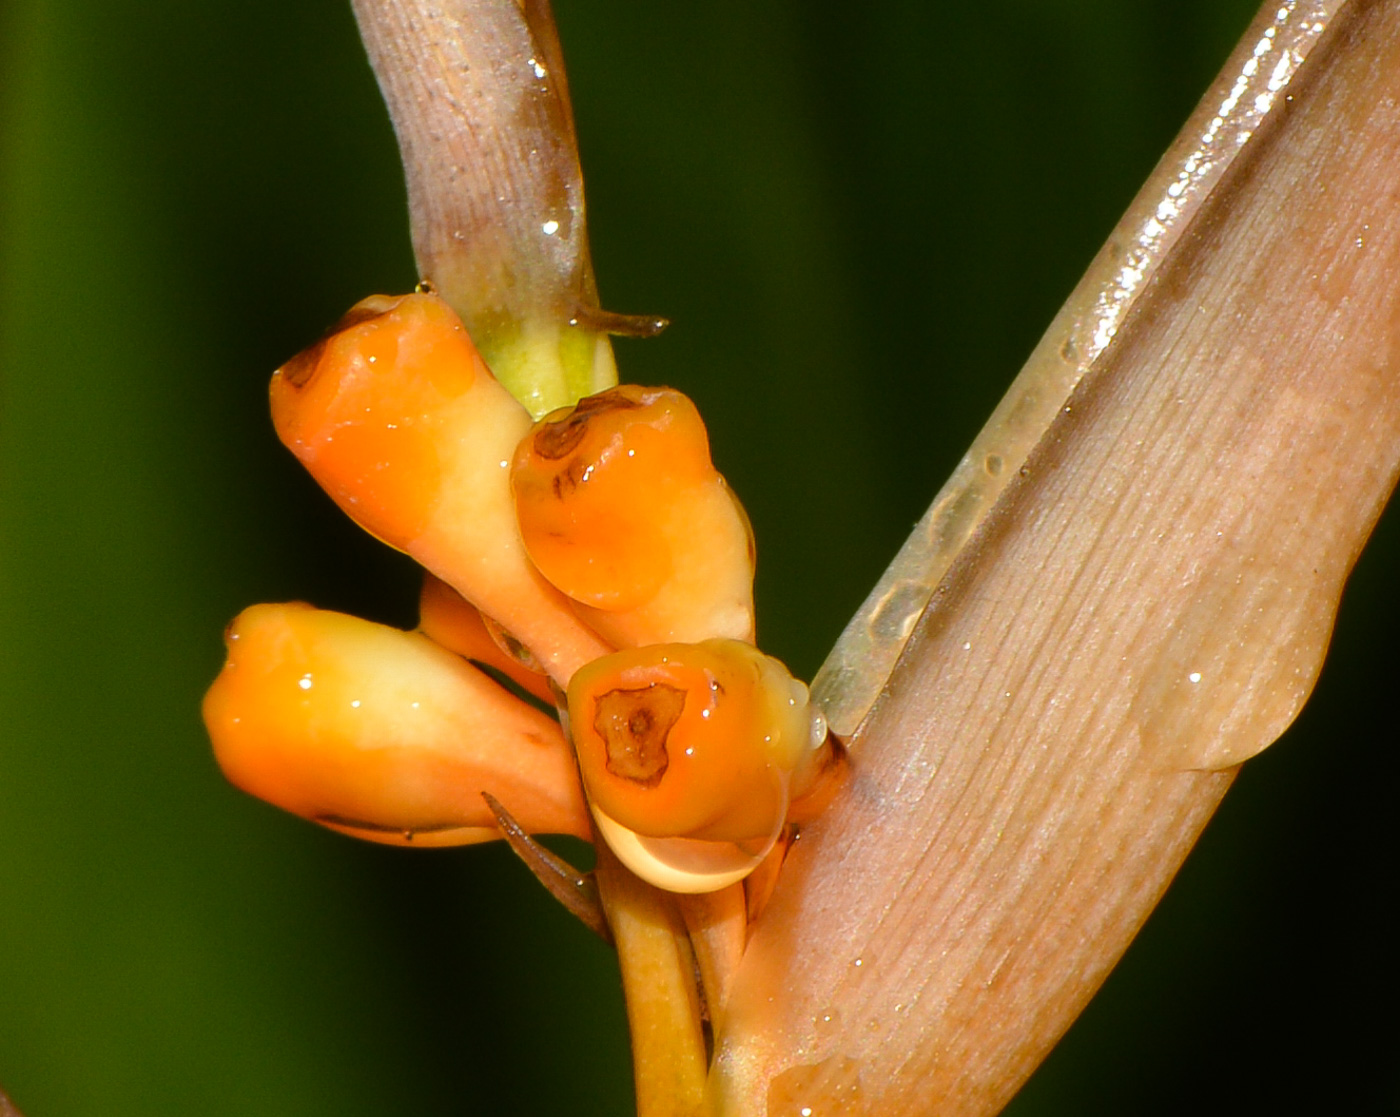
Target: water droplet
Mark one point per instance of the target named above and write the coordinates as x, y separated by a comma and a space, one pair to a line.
827, 1022
894, 617
1241, 657
825, 1089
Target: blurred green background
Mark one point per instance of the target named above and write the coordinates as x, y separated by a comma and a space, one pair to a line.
860, 218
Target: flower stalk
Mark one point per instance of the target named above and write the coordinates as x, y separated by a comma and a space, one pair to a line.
658, 978
480, 104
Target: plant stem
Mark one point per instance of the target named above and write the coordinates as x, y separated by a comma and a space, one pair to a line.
479, 100
717, 923
658, 979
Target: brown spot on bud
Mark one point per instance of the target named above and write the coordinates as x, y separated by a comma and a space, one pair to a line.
366, 310
568, 480
510, 645
555, 439
299, 371
634, 725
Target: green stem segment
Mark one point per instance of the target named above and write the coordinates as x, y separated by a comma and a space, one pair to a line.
546, 363
658, 978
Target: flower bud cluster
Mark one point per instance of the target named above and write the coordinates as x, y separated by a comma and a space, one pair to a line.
596, 559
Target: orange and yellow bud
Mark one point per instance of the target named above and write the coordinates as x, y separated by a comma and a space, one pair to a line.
381, 733
449, 619
402, 423
620, 508
691, 755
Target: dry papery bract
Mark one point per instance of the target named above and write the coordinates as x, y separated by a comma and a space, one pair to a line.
1146, 606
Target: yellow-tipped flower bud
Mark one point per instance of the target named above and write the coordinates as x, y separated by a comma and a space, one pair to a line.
620, 508
381, 733
401, 422
692, 754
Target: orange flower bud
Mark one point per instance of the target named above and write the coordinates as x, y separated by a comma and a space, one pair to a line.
381, 733
449, 619
401, 422
620, 508
691, 754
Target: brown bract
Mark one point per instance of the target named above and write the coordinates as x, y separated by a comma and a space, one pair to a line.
1146, 605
